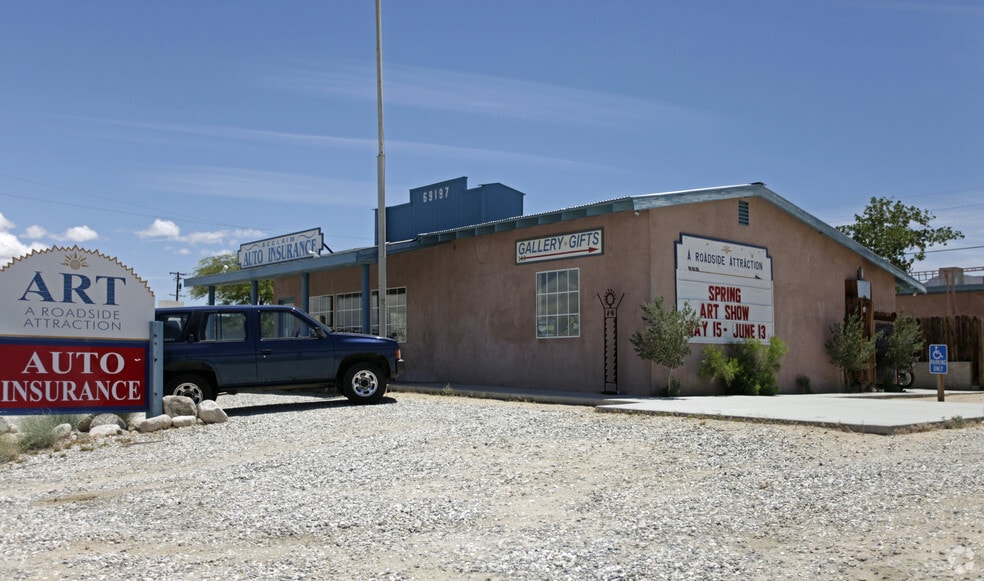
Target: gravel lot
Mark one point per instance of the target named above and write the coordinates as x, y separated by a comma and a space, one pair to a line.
432, 487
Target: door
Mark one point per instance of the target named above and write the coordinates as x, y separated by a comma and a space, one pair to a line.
224, 336
293, 350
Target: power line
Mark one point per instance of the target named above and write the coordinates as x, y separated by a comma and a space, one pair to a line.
950, 249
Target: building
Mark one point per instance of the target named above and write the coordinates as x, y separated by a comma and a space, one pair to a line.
550, 300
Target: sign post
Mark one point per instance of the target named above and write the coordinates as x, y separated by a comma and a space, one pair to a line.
938, 366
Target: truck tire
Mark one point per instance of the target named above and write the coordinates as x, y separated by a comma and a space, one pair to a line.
190, 385
364, 383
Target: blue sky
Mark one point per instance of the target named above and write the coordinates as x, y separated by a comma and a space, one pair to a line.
164, 132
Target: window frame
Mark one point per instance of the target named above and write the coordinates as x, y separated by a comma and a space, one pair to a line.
547, 300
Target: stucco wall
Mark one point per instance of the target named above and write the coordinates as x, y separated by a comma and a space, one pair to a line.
961, 301
471, 308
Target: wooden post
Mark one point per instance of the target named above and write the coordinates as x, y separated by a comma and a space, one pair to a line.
939, 387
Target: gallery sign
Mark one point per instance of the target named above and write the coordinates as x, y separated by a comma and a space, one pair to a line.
74, 333
729, 286
559, 246
284, 248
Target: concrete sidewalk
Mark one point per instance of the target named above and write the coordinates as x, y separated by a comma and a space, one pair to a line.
876, 413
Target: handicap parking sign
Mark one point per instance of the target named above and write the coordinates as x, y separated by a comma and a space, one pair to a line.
937, 359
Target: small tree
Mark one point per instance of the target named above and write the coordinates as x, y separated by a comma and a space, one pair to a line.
849, 349
239, 293
903, 345
665, 338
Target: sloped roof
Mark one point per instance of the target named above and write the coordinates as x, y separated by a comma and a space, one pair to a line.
368, 255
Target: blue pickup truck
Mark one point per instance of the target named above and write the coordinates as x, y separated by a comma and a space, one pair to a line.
213, 349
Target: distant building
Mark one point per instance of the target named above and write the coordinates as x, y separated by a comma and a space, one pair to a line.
951, 313
481, 294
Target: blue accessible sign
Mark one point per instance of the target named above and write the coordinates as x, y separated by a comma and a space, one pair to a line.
937, 359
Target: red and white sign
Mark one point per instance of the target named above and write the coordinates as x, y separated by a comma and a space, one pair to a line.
74, 333
72, 376
729, 286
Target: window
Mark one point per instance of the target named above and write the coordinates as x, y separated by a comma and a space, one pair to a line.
323, 309
396, 313
348, 311
225, 327
174, 324
281, 325
558, 304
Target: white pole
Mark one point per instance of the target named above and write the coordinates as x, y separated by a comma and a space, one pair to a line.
380, 175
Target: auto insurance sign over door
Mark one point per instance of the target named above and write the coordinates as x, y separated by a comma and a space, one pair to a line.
729, 286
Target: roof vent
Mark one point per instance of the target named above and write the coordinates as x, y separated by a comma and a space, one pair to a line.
743, 212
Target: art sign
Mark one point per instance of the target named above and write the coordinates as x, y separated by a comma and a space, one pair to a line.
74, 333
729, 286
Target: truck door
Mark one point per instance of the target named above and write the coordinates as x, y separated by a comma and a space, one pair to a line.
293, 350
230, 346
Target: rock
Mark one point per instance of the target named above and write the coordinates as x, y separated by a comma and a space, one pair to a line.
179, 405
107, 420
156, 423
84, 423
183, 421
210, 412
62, 432
105, 430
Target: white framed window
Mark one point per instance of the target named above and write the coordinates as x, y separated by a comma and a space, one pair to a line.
348, 312
558, 303
323, 309
396, 313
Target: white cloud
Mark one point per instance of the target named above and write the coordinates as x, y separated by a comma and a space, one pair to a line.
161, 229
250, 184
79, 234
10, 246
35, 232
474, 94
168, 230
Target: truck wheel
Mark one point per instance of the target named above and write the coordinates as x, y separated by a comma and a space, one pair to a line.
189, 385
364, 383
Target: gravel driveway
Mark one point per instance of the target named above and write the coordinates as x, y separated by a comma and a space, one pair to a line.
432, 487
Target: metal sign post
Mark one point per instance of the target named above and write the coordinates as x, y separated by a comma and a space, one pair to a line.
938, 367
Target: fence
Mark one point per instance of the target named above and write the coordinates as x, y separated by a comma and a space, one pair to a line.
964, 337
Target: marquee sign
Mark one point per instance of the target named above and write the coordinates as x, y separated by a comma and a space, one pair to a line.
284, 248
729, 286
559, 246
74, 333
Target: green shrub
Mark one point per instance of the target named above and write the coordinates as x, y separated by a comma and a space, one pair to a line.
749, 368
901, 347
715, 365
36, 432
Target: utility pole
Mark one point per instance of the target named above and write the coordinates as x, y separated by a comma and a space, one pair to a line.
177, 284
380, 176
